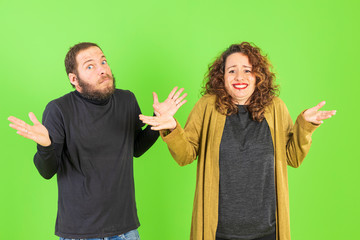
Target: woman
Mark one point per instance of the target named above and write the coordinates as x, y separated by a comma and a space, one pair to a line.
244, 138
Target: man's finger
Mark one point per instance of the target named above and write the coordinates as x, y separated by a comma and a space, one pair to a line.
26, 135
33, 118
148, 120
146, 117
17, 121
20, 128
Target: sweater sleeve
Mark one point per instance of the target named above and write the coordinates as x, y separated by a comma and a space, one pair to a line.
47, 159
144, 138
298, 137
183, 143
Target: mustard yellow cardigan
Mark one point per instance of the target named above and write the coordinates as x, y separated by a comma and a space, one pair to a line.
201, 139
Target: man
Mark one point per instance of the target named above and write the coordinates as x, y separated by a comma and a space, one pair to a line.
88, 138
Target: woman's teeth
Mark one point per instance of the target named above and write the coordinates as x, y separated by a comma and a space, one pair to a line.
240, 85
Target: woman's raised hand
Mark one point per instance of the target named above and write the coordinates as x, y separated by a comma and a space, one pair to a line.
313, 115
170, 106
165, 111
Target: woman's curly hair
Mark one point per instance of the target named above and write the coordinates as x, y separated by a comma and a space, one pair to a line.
265, 88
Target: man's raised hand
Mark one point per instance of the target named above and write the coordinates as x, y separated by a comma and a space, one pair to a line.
37, 132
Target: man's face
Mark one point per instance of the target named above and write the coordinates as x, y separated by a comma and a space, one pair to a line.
94, 79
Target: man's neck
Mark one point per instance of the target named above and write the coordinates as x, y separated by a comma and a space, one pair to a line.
93, 101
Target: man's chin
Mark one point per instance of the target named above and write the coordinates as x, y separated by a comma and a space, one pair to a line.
99, 95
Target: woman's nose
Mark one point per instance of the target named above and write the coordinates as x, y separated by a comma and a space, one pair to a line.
239, 76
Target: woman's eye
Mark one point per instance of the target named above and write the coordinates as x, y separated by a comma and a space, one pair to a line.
248, 71
231, 71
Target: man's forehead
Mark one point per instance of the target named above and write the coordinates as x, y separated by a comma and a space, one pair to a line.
89, 53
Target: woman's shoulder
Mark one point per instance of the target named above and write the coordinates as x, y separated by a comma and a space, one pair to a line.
277, 106
277, 102
207, 99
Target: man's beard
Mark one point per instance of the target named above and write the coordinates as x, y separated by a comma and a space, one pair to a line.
88, 91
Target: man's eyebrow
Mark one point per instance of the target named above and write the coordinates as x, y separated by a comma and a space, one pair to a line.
102, 56
87, 61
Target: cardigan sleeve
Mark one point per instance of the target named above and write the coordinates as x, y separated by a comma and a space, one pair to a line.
297, 136
183, 143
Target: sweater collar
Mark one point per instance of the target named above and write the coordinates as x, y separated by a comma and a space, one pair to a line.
96, 102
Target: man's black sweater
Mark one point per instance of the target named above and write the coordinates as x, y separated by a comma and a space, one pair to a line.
93, 144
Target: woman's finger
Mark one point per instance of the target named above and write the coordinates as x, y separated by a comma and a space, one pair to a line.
155, 97
325, 115
178, 93
171, 94
182, 97
156, 107
180, 104
320, 105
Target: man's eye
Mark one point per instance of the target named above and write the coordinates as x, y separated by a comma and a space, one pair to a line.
90, 67
103, 62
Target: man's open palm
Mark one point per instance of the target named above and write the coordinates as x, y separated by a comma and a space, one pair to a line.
37, 132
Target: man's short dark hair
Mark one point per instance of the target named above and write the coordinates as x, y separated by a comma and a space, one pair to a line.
70, 59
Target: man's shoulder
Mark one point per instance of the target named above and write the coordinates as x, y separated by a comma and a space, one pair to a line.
123, 93
61, 101
124, 96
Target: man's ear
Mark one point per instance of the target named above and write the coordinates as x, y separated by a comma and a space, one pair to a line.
73, 79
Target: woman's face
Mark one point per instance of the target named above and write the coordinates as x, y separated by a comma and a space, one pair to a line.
239, 79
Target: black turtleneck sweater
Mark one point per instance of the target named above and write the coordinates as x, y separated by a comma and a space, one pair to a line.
92, 149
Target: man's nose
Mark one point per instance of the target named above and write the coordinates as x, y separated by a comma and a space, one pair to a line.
102, 70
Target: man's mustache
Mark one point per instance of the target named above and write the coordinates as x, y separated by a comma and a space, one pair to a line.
106, 77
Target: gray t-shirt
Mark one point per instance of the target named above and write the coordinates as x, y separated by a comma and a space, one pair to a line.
247, 200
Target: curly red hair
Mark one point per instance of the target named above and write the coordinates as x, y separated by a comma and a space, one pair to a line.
265, 88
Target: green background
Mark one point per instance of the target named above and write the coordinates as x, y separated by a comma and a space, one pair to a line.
156, 45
